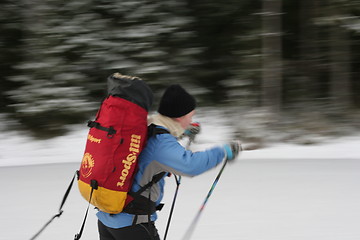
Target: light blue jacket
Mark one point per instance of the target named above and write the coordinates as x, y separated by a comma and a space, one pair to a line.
163, 153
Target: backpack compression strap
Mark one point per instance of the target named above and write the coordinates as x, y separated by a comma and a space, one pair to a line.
111, 131
94, 186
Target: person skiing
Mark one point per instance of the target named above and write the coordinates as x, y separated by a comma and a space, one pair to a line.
163, 153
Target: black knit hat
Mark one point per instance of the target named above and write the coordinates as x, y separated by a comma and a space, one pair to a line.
176, 102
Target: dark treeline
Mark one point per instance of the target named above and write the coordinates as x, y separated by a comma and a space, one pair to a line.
56, 55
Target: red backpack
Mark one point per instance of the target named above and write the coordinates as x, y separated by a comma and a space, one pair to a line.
115, 140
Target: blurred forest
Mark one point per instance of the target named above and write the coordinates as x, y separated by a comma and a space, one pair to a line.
294, 58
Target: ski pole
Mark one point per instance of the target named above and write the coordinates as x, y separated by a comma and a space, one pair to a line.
178, 181
192, 226
60, 208
172, 205
192, 133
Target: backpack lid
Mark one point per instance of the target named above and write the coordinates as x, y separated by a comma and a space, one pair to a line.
133, 89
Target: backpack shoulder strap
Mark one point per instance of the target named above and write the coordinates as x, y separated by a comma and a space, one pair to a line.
154, 129
136, 206
156, 178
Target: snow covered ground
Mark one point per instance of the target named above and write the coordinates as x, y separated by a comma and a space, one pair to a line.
283, 192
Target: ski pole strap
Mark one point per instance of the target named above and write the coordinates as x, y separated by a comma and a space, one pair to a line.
60, 208
94, 185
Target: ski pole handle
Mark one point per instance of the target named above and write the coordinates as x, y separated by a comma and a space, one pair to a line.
193, 129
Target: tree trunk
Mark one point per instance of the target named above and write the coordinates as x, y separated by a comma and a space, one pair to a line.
309, 53
272, 55
340, 56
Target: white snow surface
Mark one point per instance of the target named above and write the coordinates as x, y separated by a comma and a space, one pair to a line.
282, 192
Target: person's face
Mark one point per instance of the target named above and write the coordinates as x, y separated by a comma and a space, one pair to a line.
186, 120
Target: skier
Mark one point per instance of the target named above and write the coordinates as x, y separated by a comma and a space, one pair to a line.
163, 153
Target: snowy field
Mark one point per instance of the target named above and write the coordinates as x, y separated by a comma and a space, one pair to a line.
283, 192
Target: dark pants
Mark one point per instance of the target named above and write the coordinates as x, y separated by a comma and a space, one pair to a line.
143, 231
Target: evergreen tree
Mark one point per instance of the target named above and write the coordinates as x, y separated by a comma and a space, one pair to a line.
272, 54
51, 94
227, 47
11, 33
70, 48
56, 55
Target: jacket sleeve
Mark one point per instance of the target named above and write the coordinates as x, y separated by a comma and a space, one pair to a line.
176, 159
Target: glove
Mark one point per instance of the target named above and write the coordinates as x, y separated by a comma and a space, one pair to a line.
192, 130
232, 149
